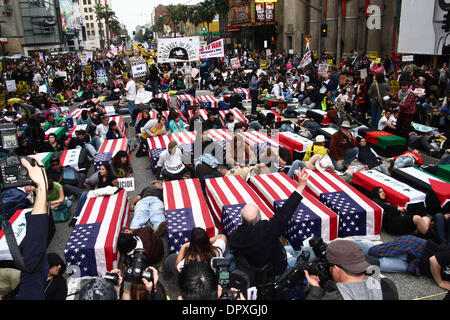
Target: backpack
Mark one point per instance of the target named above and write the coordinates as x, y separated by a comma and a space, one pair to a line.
142, 151
13, 200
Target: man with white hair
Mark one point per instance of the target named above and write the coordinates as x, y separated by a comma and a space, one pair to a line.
259, 240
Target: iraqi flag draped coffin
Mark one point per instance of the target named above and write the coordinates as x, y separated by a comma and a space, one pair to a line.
258, 141
244, 93
358, 215
164, 96
207, 102
311, 218
185, 208
156, 145
72, 118
74, 158
45, 158
227, 196
293, 142
108, 150
319, 116
397, 193
220, 137
237, 115
186, 100
92, 245
437, 190
19, 226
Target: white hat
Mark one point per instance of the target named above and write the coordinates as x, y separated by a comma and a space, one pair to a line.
323, 163
281, 84
319, 138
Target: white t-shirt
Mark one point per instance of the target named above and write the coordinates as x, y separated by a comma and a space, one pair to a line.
382, 125
172, 163
131, 90
219, 243
101, 131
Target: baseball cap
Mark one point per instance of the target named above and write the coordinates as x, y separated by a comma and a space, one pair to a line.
98, 289
347, 255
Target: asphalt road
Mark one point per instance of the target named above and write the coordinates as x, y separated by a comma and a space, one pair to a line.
409, 286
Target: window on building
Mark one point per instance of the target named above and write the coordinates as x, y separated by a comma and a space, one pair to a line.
93, 32
91, 17
84, 2
289, 42
85, 9
88, 33
89, 2
90, 9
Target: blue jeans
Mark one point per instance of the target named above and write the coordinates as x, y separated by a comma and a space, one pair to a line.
255, 125
403, 162
131, 107
444, 161
288, 96
442, 227
295, 166
375, 110
381, 169
89, 148
350, 155
387, 264
254, 97
164, 87
66, 205
80, 204
149, 208
155, 88
292, 261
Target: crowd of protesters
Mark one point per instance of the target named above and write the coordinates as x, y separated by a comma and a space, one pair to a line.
47, 90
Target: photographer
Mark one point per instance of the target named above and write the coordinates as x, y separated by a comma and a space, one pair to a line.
348, 267
197, 281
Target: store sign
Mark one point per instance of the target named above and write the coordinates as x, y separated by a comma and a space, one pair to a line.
264, 12
240, 12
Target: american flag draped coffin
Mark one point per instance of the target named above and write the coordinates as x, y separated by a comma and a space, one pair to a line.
185, 208
156, 145
277, 116
203, 114
358, 215
185, 141
119, 121
293, 142
165, 113
243, 92
227, 196
207, 102
220, 137
258, 141
72, 118
164, 96
108, 150
153, 115
186, 100
92, 246
311, 218
237, 115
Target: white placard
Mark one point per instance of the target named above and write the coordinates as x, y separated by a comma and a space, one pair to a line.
139, 69
101, 76
363, 74
178, 49
323, 69
291, 51
11, 85
43, 88
126, 183
110, 111
235, 63
215, 49
408, 58
268, 52
265, 44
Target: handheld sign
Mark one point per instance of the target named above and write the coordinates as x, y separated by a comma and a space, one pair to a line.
126, 183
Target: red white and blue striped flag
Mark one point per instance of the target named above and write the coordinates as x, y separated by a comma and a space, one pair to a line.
185, 208
207, 102
114, 146
156, 145
327, 182
164, 96
237, 115
227, 196
92, 246
311, 218
244, 93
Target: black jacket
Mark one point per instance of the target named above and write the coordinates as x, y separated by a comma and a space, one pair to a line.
260, 244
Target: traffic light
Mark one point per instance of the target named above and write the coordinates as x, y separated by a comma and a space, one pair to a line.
324, 31
446, 22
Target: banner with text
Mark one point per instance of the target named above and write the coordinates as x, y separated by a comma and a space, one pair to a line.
178, 49
215, 49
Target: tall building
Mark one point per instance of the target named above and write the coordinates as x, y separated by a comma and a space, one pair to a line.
93, 31
347, 23
31, 25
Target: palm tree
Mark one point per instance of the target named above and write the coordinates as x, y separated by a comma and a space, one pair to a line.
104, 12
99, 16
173, 16
208, 13
183, 15
222, 8
195, 16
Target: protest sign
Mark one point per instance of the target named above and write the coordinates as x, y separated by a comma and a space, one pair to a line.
263, 64
363, 73
373, 55
409, 58
138, 69
87, 70
101, 76
178, 49
11, 85
235, 63
43, 88
395, 86
215, 49
126, 183
323, 70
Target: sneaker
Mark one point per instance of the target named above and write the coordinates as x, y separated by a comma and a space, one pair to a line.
162, 229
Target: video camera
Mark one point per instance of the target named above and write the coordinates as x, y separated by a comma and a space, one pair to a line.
236, 279
135, 269
12, 173
320, 266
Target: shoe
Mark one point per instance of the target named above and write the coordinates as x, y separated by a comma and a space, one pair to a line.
162, 229
72, 222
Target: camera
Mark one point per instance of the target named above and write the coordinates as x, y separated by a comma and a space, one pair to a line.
221, 267
135, 270
320, 266
112, 277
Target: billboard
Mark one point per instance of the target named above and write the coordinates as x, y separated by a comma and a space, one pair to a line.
421, 27
67, 16
265, 11
240, 12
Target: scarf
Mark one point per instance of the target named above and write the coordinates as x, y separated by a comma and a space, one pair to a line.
403, 95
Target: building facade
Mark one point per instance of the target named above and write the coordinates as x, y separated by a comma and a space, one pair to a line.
360, 25
94, 32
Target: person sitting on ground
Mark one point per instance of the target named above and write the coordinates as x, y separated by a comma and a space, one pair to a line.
230, 121
406, 159
177, 125
423, 143
154, 127
53, 122
318, 147
368, 157
83, 141
121, 165
387, 123
114, 131
85, 118
343, 148
142, 122
52, 145
170, 164
196, 119
258, 241
56, 198
212, 122
101, 179
72, 187
396, 220
349, 279
102, 129
148, 206
199, 248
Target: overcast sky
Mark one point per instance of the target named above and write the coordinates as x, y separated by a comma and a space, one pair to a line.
133, 13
